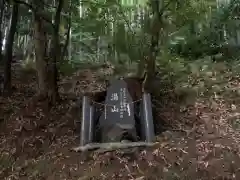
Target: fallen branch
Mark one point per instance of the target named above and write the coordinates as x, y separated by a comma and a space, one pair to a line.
111, 146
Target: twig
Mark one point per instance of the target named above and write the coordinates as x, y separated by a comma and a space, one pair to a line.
111, 146
129, 172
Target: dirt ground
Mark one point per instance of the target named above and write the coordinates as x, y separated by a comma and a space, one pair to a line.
36, 143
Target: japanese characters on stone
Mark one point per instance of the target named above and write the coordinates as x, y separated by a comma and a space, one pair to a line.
124, 106
114, 97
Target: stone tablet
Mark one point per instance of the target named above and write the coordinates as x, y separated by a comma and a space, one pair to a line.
118, 114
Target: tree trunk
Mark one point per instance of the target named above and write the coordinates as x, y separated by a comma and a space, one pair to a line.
64, 49
46, 65
155, 31
9, 49
40, 42
53, 94
2, 3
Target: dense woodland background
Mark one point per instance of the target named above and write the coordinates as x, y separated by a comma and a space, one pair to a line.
188, 52
55, 37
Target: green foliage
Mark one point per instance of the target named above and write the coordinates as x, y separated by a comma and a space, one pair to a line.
222, 28
104, 31
120, 32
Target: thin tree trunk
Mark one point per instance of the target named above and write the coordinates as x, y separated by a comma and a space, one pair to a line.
2, 4
40, 42
9, 49
155, 31
53, 94
64, 51
158, 8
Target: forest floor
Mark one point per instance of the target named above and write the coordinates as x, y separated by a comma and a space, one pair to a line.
36, 143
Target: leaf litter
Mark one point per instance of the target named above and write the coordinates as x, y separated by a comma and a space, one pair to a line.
35, 143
